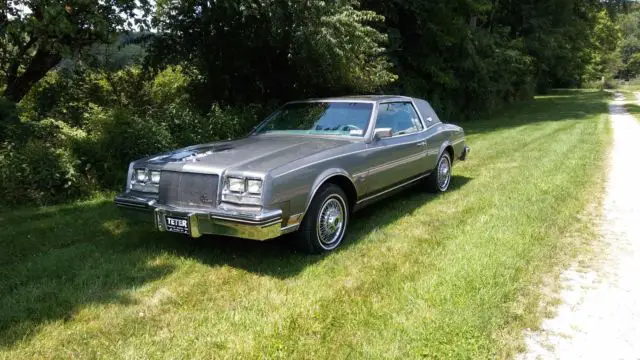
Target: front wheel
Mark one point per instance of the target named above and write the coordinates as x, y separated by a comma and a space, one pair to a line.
325, 223
440, 179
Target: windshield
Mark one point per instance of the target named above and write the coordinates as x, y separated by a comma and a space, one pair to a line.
320, 118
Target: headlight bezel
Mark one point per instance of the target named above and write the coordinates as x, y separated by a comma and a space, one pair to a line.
154, 176
236, 185
144, 180
246, 196
257, 185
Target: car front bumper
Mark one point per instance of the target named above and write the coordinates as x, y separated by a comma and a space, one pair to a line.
260, 224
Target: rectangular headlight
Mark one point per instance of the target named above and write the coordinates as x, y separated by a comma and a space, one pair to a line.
236, 185
141, 175
145, 180
254, 186
155, 177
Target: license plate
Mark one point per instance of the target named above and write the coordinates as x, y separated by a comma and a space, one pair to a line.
177, 224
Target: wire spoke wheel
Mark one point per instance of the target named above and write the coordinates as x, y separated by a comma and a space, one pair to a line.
330, 224
444, 173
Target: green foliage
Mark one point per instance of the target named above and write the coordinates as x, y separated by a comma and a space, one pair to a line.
455, 54
116, 137
228, 123
79, 281
605, 56
630, 44
35, 35
212, 70
8, 116
252, 51
40, 165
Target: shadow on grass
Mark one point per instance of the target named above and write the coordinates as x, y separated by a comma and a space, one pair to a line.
570, 105
59, 260
277, 259
632, 109
56, 261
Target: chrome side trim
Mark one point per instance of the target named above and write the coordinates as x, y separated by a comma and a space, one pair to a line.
294, 219
289, 228
393, 188
249, 222
394, 163
342, 155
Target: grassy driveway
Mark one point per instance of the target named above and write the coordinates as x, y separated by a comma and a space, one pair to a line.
451, 276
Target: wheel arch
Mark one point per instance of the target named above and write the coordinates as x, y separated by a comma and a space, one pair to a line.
338, 177
448, 147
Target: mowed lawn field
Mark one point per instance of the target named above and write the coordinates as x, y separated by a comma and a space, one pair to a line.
421, 276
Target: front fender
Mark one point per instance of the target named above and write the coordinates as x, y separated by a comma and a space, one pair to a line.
322, 178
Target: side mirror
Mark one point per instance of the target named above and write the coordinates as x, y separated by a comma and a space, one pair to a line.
382, 133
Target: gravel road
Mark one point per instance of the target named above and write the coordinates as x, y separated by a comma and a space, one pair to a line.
599, 317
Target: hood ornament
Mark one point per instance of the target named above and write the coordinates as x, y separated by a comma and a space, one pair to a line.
190, 154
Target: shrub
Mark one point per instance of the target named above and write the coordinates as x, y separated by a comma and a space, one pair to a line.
8, 117
229, 122
116, 137
41, 167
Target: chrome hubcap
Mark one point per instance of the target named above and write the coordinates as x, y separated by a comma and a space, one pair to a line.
444, 173
330, 224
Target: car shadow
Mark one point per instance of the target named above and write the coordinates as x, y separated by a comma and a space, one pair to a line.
278, 257
56, 261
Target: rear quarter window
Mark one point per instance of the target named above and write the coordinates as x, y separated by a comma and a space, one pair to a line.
426, 111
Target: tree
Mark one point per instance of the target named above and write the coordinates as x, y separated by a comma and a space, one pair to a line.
454, 53
251, 51
36, 34
606, 60
630, 44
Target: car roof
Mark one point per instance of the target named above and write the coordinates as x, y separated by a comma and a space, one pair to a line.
361, 98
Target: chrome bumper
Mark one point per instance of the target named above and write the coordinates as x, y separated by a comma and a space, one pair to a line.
254, 225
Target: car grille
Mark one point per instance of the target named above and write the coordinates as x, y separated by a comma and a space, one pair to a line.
188, 189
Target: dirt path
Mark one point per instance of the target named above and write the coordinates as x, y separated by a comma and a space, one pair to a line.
600, 314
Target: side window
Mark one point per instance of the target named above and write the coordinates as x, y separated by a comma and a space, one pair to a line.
401, 117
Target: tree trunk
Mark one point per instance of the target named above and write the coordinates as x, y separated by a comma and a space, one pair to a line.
41, 63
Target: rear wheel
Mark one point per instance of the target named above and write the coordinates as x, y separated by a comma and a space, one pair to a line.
440, 179
325, 223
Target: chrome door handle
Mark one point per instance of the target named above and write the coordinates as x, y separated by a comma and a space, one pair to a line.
422, 143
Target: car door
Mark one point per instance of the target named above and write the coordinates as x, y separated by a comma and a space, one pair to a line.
398, 158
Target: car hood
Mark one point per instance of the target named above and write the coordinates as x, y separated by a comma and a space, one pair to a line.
255, 153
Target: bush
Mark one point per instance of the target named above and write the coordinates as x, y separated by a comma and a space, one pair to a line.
115, 138
38, 164
8, 117
229, 123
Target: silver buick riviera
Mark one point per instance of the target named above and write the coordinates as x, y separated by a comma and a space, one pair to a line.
305, 169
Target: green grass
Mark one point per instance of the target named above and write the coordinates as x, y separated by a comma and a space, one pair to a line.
633, 109
631, 101
631, 104
453, 276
